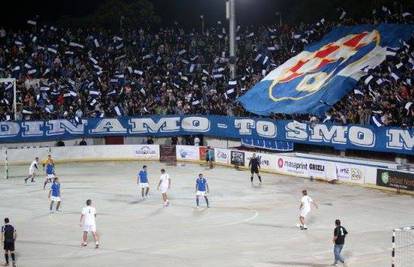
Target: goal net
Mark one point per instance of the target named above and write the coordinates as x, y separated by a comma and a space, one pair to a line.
15, 162
403, 247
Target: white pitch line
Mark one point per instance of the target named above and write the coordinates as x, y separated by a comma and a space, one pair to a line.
256, 213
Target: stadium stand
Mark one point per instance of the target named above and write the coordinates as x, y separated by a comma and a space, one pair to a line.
76, 73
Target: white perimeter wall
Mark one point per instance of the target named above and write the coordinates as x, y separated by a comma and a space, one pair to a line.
82, 153
295, 164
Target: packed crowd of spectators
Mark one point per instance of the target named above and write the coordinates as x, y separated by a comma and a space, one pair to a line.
88, 72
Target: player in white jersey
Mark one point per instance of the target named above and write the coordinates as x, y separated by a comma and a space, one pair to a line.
32, 170
305, 208
88, 223
164, 185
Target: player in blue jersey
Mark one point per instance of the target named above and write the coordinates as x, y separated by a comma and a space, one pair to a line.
143, 182
49, 167
54, 194
202, 189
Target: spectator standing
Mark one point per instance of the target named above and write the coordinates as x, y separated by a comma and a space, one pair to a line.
83, 142
150, 141
196, 141
339, 240
60, 143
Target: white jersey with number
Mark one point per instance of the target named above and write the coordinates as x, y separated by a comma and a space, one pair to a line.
306, 203
165, 182
89, 215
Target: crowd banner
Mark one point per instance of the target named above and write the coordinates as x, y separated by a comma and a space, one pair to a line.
395, 179
275, 145
190, 153
325, 71
341, 137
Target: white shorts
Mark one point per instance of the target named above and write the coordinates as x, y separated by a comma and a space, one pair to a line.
32, 171
163, 189
57, 199
304, 213
201, 193
50, 176
89, 228
144, 185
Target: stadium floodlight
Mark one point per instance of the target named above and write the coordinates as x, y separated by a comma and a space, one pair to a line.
13, 81
279, 14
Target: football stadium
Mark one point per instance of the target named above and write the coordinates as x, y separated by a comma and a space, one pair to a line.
245, 133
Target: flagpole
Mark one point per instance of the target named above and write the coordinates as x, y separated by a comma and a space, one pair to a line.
231, 16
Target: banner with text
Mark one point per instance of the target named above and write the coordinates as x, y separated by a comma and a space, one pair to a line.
383, 139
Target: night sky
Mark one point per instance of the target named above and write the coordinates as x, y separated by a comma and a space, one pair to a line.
187, 12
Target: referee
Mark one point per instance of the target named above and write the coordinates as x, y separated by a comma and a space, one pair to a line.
8, 236
254, 165
339, 240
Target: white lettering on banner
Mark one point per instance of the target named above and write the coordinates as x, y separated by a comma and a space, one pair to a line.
245, 126
9, 128
266, 129
32, 128
108, 126
296, 131
361, 136
321, 133
59, 127
147, 125
260, 131
195, 124
400, 139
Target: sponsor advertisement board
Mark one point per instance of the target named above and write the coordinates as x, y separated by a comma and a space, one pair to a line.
292, 166
147, 152
203, 152
222, 155
237, 158
317, 168
188, 152
302, 167
395, 179
349, 173
265, 159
